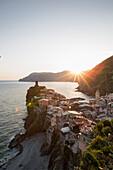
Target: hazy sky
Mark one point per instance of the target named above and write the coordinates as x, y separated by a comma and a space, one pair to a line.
53, 35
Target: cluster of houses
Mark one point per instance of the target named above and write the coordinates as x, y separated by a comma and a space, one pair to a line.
75, 120
102, 106
98, 108
76, 129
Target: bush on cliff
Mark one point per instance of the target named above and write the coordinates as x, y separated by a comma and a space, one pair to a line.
106, 130
100, 147
89, 161
103, 128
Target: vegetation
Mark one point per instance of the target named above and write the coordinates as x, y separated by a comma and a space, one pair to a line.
100, 77
99, 153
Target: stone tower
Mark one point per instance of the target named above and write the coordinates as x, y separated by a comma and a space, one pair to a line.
97, 95
36, 83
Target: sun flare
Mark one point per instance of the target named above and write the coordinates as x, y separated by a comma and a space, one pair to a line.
76, 71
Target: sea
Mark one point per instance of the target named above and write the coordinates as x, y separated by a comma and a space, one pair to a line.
13, 109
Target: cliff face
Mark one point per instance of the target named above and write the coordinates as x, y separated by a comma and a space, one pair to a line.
61, 156
100, 77
33, 91
35, 121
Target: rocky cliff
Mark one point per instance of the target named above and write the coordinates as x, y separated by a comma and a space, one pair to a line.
61, 156
100, 77
35, 121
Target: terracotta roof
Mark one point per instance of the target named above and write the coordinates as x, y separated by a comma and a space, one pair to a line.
82, 147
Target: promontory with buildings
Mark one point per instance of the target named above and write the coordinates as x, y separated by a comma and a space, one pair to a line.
76, 132
71, 133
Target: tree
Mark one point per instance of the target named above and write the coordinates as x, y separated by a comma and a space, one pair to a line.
98, 128
106, 123
89, 161
97, 143
112, 123
106, 130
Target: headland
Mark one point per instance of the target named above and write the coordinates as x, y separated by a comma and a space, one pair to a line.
61, 131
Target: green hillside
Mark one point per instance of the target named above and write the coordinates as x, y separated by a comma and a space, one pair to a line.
100, 77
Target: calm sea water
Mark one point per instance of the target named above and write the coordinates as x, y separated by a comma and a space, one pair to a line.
13, 109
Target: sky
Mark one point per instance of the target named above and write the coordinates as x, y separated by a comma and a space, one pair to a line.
53, 35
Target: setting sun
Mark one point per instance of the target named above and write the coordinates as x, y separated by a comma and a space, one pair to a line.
76, 71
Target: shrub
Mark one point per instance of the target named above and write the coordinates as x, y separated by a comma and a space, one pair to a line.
106, 123
106, 130
88, 160
97, 143
37, 103
98, 128
106, 150
112, 122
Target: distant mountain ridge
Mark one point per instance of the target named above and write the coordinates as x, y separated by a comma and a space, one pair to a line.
100, 77
49, 76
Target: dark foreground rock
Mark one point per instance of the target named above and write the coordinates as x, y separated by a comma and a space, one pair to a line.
61, 156
16, 140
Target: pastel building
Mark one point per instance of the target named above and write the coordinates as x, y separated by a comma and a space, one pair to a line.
43, 102
43, 93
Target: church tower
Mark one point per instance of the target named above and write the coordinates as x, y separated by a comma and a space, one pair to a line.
97, 95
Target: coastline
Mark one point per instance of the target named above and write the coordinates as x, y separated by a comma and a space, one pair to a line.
55, 128
18, 160
30, 157
6, 160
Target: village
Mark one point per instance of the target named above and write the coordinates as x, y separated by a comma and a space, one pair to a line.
74, 119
